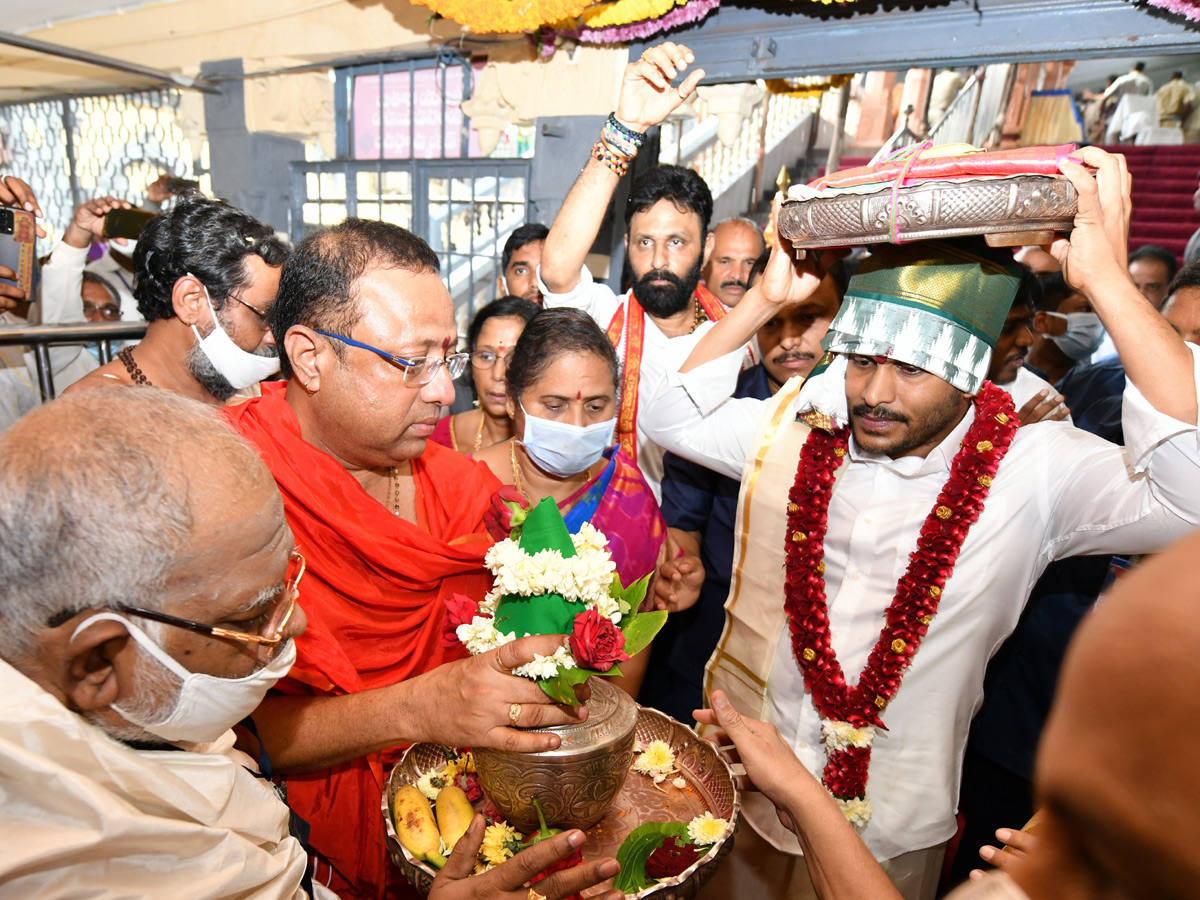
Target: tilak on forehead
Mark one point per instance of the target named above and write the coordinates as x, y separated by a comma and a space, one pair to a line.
938, 305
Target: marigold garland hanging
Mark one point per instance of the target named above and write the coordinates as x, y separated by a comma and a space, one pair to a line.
625, 12
802, 88
506, 16
683, 14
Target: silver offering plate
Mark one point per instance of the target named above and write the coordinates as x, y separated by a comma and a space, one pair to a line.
1008, 212
709, 787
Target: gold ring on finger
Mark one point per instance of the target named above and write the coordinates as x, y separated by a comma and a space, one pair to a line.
534, 895
646, 57
514, 713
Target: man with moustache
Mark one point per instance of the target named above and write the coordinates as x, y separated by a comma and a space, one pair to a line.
700, 505
205, 278
666, 310
917, 516
1034, 397
737, 245
519, 262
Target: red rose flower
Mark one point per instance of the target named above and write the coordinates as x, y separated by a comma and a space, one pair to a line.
672, 858
575, 859
498, 519
596, 643
460, 610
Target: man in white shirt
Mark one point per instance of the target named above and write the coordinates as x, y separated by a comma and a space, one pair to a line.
148, 588
912, 344
667, 242
1033, 396
1135, 82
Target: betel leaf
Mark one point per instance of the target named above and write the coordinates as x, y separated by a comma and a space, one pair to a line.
640, 628
560, 688
634, 594
636, 849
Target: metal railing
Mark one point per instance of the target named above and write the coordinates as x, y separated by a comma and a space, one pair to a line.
40, 338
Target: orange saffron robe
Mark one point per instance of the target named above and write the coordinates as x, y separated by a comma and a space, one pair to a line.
373, 594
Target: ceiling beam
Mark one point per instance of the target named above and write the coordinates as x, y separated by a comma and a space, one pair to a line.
107, 62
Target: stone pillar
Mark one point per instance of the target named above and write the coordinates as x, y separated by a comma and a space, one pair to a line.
875, 121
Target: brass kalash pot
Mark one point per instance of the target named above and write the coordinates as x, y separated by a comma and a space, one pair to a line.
574, 784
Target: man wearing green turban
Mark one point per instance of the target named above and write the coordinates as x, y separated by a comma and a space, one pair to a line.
893, 518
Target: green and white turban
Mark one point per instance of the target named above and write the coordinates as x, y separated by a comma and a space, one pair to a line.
937, 305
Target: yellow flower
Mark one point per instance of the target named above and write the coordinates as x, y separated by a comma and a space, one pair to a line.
656, 760
506, 16
622, 12
707, 829
499, 841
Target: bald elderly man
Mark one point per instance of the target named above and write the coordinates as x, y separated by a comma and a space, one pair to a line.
148, 602
1120, 804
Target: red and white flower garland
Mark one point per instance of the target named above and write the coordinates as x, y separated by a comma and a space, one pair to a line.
852, 714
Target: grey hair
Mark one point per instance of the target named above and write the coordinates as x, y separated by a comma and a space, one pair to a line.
748, 222
97, 491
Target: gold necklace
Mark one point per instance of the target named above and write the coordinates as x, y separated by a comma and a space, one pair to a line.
518, 483
479, 431
699, 316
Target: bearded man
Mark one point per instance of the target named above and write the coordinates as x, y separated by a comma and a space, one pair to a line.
205, 279
667, 241
916, 502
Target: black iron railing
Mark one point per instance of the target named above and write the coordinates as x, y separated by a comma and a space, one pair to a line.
40, 338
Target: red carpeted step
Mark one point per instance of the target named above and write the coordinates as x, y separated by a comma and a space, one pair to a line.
1174, 246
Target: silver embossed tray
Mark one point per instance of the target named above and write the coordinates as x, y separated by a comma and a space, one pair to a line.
709, 787
1009, 212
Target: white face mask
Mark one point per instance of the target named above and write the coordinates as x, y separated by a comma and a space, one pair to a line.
239, 367
1083, 337
563, 449
207, 706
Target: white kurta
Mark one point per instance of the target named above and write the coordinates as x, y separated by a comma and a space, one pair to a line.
660, 354
84, 815
1059, 492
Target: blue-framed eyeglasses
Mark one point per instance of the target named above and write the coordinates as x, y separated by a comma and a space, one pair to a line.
417, 372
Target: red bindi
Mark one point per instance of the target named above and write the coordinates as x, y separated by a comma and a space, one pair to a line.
579, 395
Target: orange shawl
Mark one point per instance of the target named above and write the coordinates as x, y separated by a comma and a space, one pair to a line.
373, 596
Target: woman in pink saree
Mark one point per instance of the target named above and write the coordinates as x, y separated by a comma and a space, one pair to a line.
562, 390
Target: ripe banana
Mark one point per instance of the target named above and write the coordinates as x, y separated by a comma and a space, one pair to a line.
415, 826
454, 814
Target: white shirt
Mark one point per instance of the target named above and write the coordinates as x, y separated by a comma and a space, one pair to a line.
1059, 492
660, 354
84, 815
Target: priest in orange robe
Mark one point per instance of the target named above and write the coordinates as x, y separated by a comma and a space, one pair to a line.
391, 527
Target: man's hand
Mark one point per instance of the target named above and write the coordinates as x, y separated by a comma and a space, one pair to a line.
18, 194
508, 881
88, 222
1044, 406
787, 280
680, 573
770, 764
482, 692
11, 296
647, 97
1097, 252
1017, 847
160, 188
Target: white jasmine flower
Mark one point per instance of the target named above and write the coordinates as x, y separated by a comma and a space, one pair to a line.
490, 599
546, 666
707, 829
679, 782
589, 538
839, 735
502, 555
431, 783
609, 608
480, 635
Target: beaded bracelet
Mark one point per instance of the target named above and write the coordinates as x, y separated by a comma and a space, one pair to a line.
637, 137
616, 163
617, 143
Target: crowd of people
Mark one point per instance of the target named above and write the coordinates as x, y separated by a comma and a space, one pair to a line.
230, 549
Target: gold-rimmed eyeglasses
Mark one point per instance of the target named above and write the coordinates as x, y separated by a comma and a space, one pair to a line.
282, 614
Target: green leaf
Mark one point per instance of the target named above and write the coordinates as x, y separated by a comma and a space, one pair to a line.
634, 594
636, 849
640, 629
544, 529
560, 688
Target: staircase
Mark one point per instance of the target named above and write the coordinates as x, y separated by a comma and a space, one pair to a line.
1164, 179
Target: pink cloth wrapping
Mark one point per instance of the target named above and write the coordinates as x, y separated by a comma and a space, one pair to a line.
1021, 161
